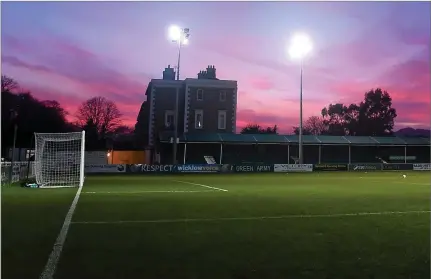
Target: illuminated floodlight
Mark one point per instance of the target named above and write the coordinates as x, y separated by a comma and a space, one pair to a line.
174, 33
179, 35
300, 46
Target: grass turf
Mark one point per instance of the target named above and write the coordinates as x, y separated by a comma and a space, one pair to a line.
220, 240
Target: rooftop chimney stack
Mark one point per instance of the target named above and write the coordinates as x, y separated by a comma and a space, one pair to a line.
169, 73
211, 72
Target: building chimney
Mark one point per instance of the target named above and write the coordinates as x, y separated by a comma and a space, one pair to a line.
202, 75
169, 73
211, 72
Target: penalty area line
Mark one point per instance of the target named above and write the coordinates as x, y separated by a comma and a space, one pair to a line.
202, 185
307, 216
54, 257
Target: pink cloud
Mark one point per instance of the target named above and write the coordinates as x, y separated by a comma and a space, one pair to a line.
261, 83
11, 60
67, 60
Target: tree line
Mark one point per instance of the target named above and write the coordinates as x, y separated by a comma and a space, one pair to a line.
98, 116
373, 116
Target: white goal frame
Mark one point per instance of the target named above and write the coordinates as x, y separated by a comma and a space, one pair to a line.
51, 170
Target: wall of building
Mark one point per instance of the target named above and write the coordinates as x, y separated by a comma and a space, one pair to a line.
165, 98
210, 105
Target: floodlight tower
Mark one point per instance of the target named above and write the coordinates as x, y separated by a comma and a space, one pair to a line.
300, 47
180, 36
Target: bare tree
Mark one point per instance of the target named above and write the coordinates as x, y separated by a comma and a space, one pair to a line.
314, 125
103, 113
8, 84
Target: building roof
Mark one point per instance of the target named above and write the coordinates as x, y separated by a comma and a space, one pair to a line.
293, 139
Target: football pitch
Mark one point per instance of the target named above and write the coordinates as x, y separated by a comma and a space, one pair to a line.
234, 226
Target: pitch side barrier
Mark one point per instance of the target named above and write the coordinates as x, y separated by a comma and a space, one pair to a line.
365, 167
200, 168
249, 168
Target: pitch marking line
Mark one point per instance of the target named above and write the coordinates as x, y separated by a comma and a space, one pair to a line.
202, 185
257, 218
144, 192
54, 257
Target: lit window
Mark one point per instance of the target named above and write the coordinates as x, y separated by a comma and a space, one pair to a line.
199, 119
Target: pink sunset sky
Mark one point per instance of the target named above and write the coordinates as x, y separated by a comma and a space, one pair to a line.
72, 51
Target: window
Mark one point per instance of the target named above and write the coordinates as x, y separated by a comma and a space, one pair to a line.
169, 118
222, 119
200, 95
199, 119
222, 96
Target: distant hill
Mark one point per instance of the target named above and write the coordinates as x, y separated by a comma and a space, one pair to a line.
410, 132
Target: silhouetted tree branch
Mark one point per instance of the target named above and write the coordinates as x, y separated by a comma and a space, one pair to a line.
100, 112
314, 125
8, 84
257, 129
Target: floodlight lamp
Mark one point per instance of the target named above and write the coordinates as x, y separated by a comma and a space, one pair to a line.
300, 46
174, 33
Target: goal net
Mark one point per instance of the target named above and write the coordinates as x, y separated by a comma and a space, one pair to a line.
59, 159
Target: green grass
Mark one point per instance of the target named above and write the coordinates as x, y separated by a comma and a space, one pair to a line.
220, 238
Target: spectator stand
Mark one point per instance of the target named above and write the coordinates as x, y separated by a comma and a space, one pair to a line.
273, 148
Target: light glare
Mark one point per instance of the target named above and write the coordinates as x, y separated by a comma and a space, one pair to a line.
174, 33
300, 46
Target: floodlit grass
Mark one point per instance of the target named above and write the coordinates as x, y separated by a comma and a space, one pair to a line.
158, 227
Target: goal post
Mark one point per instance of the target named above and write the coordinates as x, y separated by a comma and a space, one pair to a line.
59, 159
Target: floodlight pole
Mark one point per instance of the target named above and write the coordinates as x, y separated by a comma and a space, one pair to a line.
179, 58
300, 155
177, 93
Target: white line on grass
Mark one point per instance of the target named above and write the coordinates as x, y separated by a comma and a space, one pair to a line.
145, 192
258, 218
54, 257
202, 185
